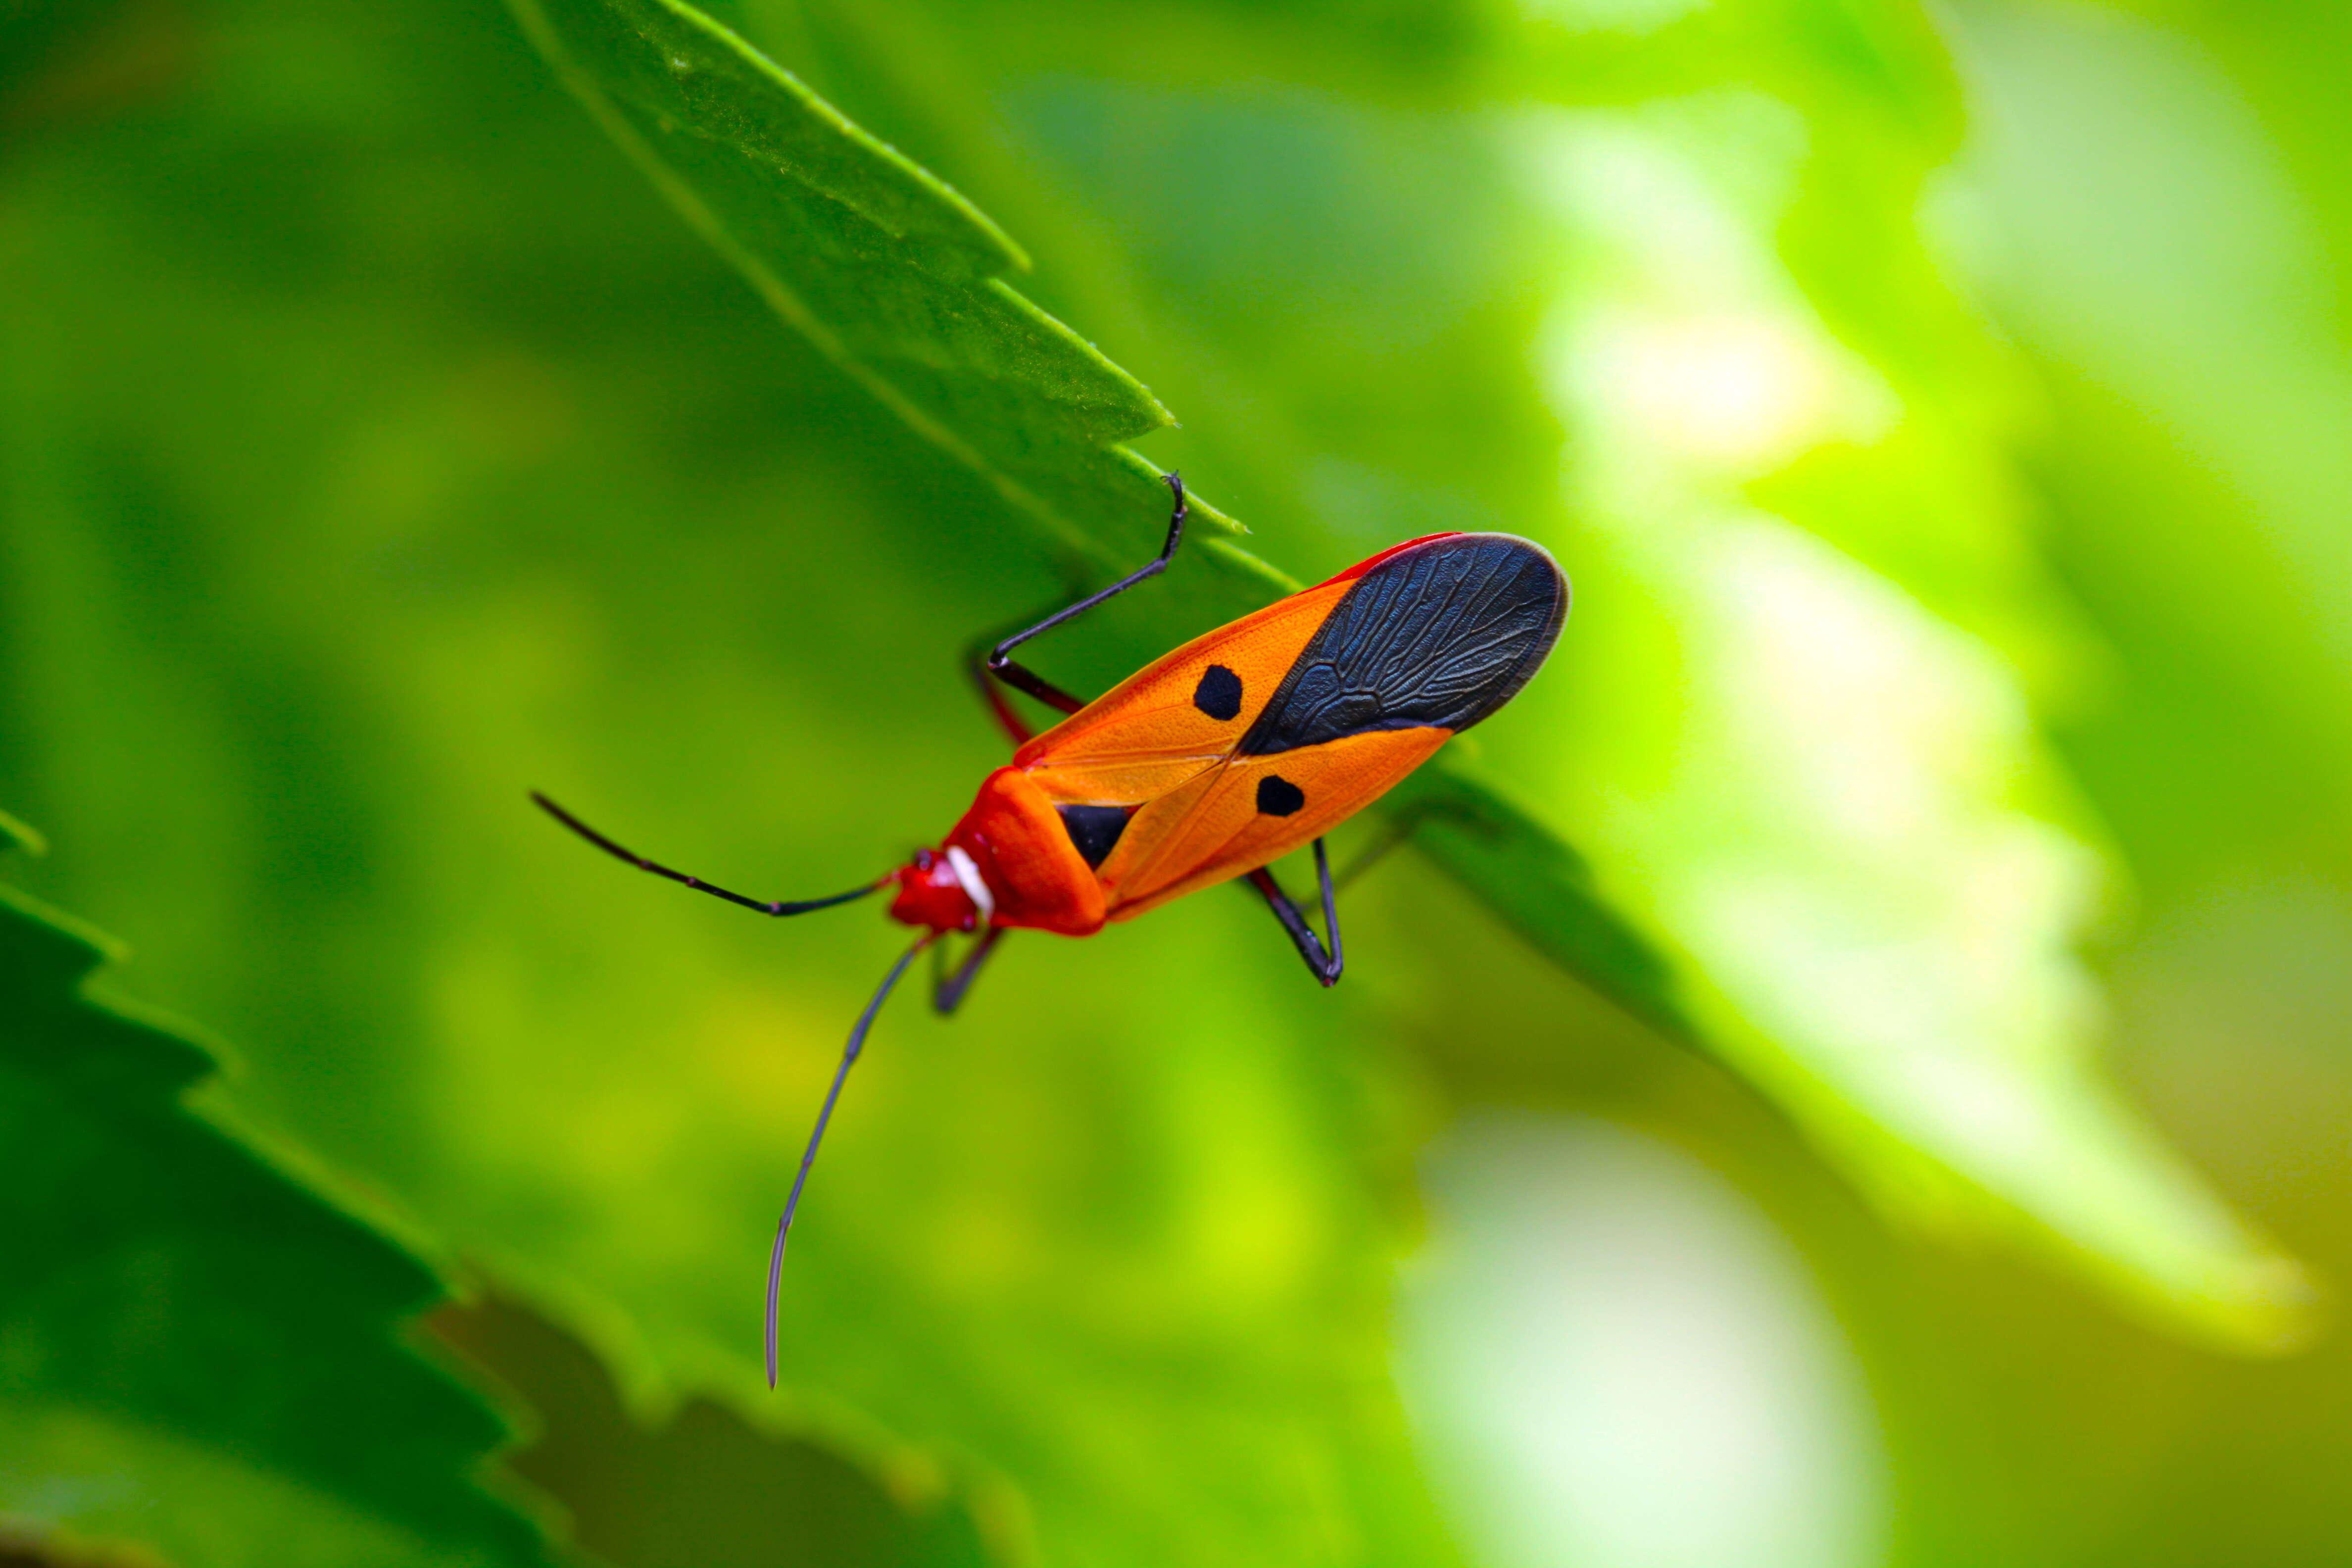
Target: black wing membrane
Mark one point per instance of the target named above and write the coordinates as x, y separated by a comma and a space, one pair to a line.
1437, 637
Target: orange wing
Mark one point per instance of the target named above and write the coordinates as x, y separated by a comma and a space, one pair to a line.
1175, 719
1249, 742
1250, 812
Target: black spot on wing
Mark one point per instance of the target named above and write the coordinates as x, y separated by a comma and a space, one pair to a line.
1277, 796
1094, 830
1219, 695
1439, 636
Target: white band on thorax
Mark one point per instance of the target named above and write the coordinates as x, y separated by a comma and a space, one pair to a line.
969, 875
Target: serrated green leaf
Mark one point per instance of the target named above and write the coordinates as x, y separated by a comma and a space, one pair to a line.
889, 272
198, 1349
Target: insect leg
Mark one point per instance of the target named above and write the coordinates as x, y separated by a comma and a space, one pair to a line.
1325, 966
1000, 660
1008, 718
947, 991
761, 906
849, 1054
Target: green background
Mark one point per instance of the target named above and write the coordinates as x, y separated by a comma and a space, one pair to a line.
1941, 414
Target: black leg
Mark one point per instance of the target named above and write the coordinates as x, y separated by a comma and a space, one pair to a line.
1324, 966
762, 906
999, 662
946, 990
1008, 718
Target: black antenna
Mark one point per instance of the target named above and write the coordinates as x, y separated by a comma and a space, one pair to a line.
763, 906
840, 1075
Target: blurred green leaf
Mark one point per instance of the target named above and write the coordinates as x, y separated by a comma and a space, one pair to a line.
15, 835
1798, 468
198, 1350
701, 1488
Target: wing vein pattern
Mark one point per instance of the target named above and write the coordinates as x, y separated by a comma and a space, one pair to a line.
1437, 637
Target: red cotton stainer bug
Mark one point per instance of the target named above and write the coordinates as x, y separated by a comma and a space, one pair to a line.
1209, 764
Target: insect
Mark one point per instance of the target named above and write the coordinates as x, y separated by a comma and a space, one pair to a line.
1207, 765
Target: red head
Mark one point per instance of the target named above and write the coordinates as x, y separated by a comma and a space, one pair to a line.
1009, 864
935, 894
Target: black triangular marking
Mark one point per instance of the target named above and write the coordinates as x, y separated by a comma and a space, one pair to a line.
1094, 830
